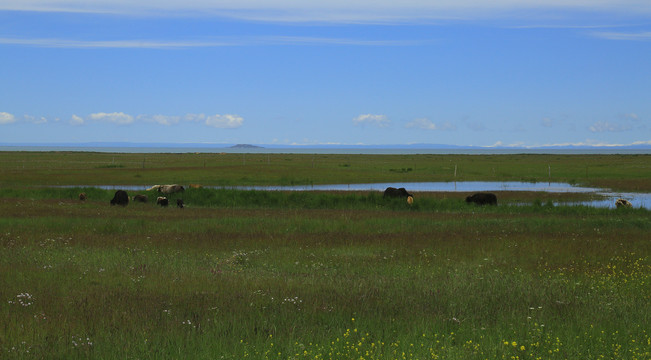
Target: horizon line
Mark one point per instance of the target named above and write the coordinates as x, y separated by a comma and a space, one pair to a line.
91, 144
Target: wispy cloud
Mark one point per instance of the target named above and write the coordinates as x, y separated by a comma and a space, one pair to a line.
135, 44
624, 122
34, 119
160, 119
372, 119
426, 124
184, 44
226, 121
333, 10
639, 36
6, 118
422, 123
76, 120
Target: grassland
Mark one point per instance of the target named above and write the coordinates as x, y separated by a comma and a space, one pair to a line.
619, 172
250, 274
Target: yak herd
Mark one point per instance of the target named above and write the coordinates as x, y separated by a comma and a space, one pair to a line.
481, 198
122, 198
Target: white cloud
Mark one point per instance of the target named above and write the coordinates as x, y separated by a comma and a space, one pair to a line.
226, 121
34, 119
195, 117
377, 120
116, 117
76, 120
547, 122
160, 119
422, 123
334, 10
6, 118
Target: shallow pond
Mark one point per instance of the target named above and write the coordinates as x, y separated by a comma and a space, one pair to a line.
637, 199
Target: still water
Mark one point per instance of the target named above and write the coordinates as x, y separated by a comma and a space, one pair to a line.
637, 199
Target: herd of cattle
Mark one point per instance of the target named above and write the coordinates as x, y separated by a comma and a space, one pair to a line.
481, 198
122, 198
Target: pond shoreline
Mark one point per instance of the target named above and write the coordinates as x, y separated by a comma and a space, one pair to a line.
595, 197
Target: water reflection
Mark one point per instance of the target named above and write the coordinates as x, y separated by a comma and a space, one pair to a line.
637, 199
464, 186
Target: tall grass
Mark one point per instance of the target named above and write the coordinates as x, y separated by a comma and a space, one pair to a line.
319, 275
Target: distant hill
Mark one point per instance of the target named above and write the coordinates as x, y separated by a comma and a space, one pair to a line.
246, 146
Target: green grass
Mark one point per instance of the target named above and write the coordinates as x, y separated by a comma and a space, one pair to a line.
309, 275
620, 172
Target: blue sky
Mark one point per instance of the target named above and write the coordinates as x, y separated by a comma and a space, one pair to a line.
283, 72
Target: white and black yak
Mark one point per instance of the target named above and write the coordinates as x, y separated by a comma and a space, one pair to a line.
623, 203
170, 189
162, 201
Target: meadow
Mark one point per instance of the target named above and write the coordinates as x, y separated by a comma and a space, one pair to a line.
319, 275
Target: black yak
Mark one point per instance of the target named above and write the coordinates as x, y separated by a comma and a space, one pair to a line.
140, 198
482, 199
120, 198
396, 193
179, 203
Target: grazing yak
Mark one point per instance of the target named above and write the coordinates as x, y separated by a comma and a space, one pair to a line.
179, 203
623, 203
83, 196
140, 198
397, 193
120, 198
482, 199
162, 201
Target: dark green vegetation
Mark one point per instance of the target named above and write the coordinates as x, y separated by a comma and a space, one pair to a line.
317, 275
